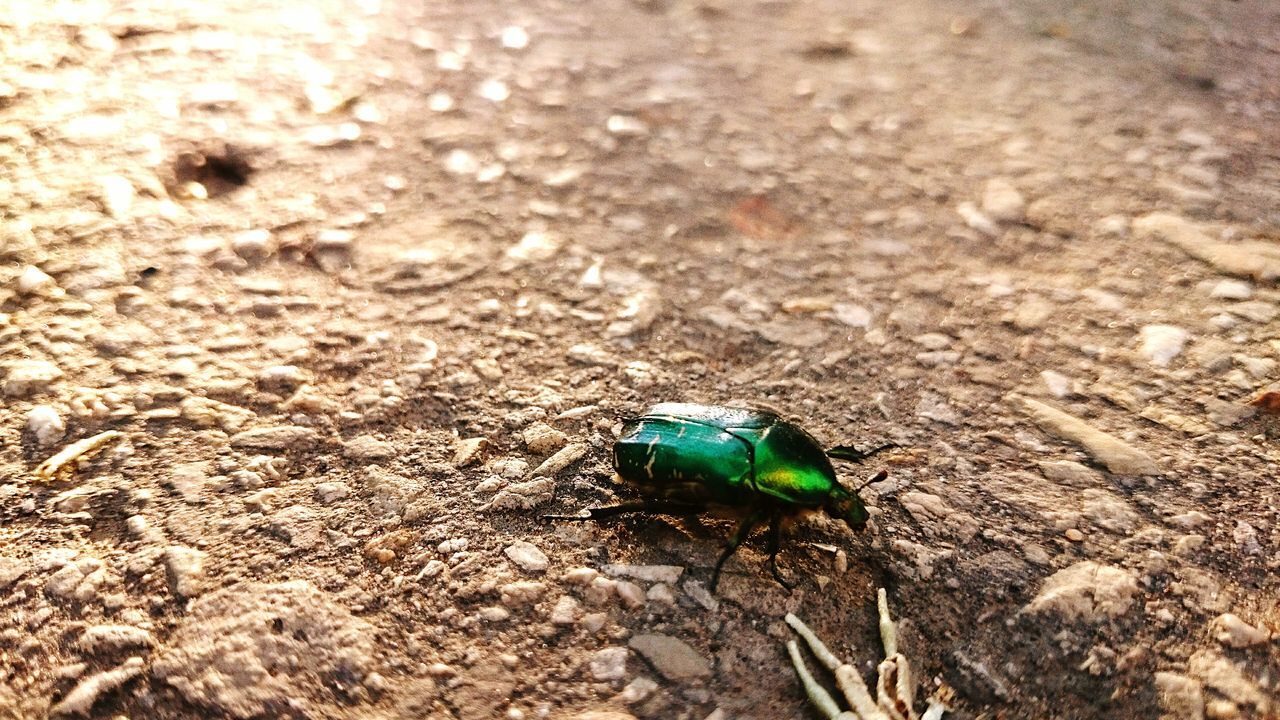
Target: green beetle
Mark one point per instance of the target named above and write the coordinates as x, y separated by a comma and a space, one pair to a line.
687, 458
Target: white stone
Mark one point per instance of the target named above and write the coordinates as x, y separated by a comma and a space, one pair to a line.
668, 574
185, 567
1086, 591
534, 247
626, 126
330, 492
527, 556
461, 162
1230, 630
494, 614
110, 638
609, 663
542, 439
34, 281
1232, 290
1056, 383
852, 314
976, 219
45, 425
494, 90
117, 195
1160, 344
566, 611
631, 594
515, 37
440, 102
637, 690
253, 244
24, 378
1002, 202
523, 592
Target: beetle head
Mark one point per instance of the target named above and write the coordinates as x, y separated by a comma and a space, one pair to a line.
848, 507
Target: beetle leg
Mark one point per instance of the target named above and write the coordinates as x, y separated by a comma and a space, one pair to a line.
775, 533
657, 507
742, 533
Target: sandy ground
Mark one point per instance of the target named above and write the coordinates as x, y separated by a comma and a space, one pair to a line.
360, 289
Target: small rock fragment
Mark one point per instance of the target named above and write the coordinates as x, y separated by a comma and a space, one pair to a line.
368, 447
565, 457
674, 659
1257, 260
631, 594
523, 496
566, 611
285, 437
45, 425
527, 556
185, 569
1160, 344
1180, 697
609, 664
1086, 591
542, 439
329, 493
1002, 202
523, 592
626, 126
1230, 630
1119, 457
669, 574
24, 378
110, 638
637, 690
34, 281
83, 696
468, 451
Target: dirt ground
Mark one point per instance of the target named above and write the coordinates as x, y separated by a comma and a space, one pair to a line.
363, 288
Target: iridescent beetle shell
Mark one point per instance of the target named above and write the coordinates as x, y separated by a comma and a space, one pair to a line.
730, 456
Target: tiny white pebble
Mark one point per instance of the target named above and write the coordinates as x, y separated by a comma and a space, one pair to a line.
439, 102
631, 594
45, 425
515, 37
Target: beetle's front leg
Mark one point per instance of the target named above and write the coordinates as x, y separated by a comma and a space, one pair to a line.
739, 535
775, 538
656, 507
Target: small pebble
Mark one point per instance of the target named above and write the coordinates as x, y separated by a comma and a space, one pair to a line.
494, 614
638, 690
631, 594
34, 281
626, 126
1232, 290
527, 556
1002, 202
1074, 535
542, 439
514, 37
1160, 344
565, 611
609, 663
45, 425
1230, 630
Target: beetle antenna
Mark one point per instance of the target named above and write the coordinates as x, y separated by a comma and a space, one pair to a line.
874, 479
